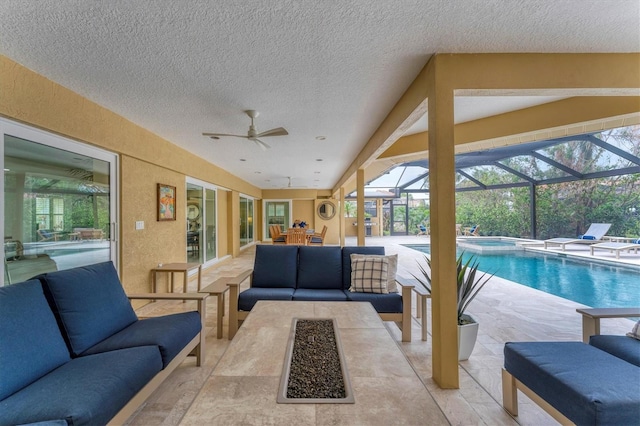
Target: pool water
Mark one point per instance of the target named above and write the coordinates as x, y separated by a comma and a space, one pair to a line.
589, 283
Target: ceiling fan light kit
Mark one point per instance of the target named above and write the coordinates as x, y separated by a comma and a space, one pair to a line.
253, 134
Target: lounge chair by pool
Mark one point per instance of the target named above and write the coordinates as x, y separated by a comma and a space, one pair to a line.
616, 247
593, 236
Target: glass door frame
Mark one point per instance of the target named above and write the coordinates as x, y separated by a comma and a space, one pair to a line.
32, 134
253, 221
205, 186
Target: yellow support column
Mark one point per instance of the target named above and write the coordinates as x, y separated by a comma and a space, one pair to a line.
360, 206
443, 234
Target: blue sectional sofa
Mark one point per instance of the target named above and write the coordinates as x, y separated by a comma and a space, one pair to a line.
72, 350
312, 274
587, 384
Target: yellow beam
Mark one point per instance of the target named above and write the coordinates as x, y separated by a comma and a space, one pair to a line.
532, 123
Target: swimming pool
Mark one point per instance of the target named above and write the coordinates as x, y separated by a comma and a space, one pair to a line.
590, 283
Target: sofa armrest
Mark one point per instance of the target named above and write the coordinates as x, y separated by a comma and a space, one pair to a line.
202, 310
406, 290
234, 292
591, 318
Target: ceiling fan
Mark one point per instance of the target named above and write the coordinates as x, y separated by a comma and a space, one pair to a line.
253, 134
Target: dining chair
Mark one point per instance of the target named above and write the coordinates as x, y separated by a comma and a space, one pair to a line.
297, 236
276, 236
317, 239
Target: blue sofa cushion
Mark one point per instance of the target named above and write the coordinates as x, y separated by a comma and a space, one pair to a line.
623, 347
587, 385
90, 303
390, 303
346, 261
320, 267
275, 267
30, 341
88, 390
329, 295
250, 296
170, 333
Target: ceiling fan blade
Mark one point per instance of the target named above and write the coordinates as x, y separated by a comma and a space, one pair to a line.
261, 144
280, 131
224, 134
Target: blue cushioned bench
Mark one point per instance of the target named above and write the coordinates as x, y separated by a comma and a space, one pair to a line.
573, 381
73, 351
312, 274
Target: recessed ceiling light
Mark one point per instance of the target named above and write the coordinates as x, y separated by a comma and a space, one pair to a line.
267, 180
317, 173
318, 159
257, 173
320, 138
243, 159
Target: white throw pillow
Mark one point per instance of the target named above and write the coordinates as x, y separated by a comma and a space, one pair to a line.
635, 331
369, 275
391, 272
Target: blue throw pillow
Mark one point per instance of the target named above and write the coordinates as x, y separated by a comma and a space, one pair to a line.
30, 341
91, 303
587, 237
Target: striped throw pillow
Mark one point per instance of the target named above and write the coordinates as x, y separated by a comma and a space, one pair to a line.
369, 275
391, 271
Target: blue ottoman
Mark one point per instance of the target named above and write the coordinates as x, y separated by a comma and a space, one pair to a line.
572, 380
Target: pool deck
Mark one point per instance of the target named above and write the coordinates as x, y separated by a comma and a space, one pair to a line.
505, 310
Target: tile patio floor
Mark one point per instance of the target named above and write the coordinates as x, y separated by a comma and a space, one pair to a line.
505, 310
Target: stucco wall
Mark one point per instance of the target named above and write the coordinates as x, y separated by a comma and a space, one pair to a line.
145, 160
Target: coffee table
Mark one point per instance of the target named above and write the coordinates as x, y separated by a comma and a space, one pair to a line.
243, 387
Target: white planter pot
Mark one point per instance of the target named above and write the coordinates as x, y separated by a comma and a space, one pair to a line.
467, 335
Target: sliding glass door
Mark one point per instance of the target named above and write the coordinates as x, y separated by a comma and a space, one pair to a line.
58, 205
246, 221
201, 221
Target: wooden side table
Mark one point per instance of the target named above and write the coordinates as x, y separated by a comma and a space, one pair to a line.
218, 288
177, 267
421, 308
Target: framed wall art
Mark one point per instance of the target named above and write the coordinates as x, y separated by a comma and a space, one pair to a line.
166, 202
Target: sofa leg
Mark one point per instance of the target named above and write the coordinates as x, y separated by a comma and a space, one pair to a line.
200, 349
509, 393
407, 292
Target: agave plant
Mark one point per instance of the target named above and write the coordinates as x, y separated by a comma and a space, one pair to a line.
468, 284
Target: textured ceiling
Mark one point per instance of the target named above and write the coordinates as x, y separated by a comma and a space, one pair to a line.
317, 68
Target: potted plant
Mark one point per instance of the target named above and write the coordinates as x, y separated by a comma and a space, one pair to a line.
468, 287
